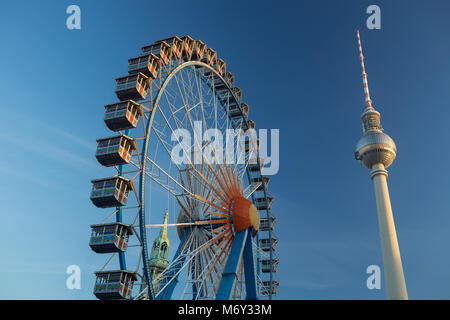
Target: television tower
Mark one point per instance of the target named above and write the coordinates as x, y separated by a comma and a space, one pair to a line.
377, 151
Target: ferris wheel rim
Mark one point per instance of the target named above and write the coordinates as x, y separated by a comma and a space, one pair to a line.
144, 152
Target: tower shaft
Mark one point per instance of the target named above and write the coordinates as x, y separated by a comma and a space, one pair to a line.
392, 262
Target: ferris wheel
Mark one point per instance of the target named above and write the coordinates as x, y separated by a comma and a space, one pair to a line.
177, 107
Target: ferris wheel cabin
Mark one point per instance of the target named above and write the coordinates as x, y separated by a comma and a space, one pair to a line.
255, 165
115, 150
111, 192
237, 92
221, 66
147, 64
266, 243
133, 86
166, 49
251, 124
123, 115
263, 204
235, 111
188, 47
266, 224
265, 265
117, 284
268, 289
159, 49
200, 50
253, 147
229, 78
110, 237
225, 94
264, 182
210, 57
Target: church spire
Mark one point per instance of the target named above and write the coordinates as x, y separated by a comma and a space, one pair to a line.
159, 257
163, 231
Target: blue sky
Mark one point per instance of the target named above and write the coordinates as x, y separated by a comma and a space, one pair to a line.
298, 65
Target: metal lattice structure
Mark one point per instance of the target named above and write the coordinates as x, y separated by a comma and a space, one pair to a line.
224, 220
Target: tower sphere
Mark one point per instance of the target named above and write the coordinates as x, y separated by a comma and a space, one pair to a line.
375, 147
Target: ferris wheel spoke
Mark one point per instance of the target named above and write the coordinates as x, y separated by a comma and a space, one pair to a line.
204, 263
217, 254
222, 260
251, 188
188, 86
174, 265
200, 96
190, 121
188, 113
186, 211
192, 264
205, 269
174, 110
165, 184
212, 267
189, 251
181, 144
219, 214
219, 196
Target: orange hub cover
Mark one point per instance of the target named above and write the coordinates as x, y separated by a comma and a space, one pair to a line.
245, 214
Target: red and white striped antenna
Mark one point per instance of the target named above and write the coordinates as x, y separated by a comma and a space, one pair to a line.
364, 74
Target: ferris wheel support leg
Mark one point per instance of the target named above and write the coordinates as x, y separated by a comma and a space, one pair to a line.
166, 294
195, 285
122, 261
230, 273
249, 269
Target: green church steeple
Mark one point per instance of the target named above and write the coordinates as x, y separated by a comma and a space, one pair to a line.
159, 257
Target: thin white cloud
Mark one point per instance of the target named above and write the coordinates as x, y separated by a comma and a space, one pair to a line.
28, 124
50, 151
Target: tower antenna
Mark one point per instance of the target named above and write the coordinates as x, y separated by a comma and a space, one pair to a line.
364, 74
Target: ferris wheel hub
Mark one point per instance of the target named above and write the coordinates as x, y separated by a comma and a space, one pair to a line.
244, 214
